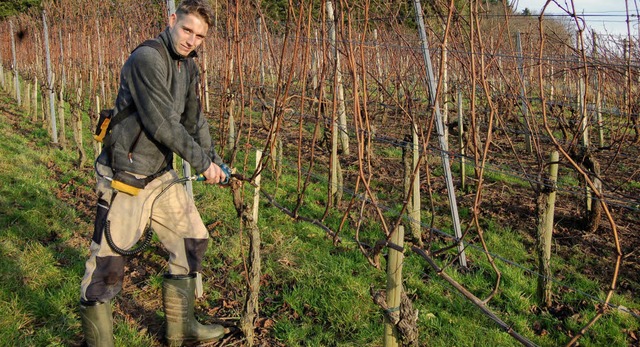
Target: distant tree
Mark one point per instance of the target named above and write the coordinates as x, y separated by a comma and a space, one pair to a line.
526, 12
12, 7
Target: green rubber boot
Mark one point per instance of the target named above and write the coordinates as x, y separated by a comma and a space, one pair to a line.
97, 323
182, 328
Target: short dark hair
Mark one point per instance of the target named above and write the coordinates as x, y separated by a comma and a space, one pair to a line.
199, 7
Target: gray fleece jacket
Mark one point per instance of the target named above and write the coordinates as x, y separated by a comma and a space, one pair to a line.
168, 118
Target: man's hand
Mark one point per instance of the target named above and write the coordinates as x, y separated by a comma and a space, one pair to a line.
214, 174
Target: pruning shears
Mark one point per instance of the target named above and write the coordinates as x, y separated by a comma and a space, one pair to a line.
227, 175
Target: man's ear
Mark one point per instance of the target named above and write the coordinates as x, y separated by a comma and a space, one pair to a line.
173, 18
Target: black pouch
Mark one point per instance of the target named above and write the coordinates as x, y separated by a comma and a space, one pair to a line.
128, 183
102, 127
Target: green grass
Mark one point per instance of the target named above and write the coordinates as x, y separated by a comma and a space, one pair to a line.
315, 293
40, 270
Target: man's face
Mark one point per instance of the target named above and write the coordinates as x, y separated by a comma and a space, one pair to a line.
187, 32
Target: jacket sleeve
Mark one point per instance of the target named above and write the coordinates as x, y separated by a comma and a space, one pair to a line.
151, 94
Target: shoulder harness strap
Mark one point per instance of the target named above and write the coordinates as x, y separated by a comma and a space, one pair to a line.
127, 111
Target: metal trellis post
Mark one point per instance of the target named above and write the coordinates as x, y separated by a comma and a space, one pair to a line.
52, 96
431, 84
523, 94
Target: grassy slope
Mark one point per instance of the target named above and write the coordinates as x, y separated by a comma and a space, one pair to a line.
312, 294
39, 266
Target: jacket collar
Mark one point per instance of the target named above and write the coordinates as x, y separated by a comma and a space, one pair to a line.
165, 37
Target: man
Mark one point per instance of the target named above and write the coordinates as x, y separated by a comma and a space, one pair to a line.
159, 91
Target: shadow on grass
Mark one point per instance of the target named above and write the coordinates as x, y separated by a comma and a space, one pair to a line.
44, 299
45, 233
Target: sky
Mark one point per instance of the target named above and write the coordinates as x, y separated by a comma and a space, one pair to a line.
603, 16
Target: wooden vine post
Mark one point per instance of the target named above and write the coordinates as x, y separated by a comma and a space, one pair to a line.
593, 207
231, 105
334, 179
394, 287
256, 192
34, 98
100, 62
461, 143
523, 94
338, 83
171, 7
589, 161
582, 96
406, 161
552, 88
2, 81
63, 72
16, 78
546, 210
205, 79
44, 102
77, 126
582, 106
315, 63
379, 66
260, 52
61, 101
27, 97
61, 116
596, 83
416, 219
